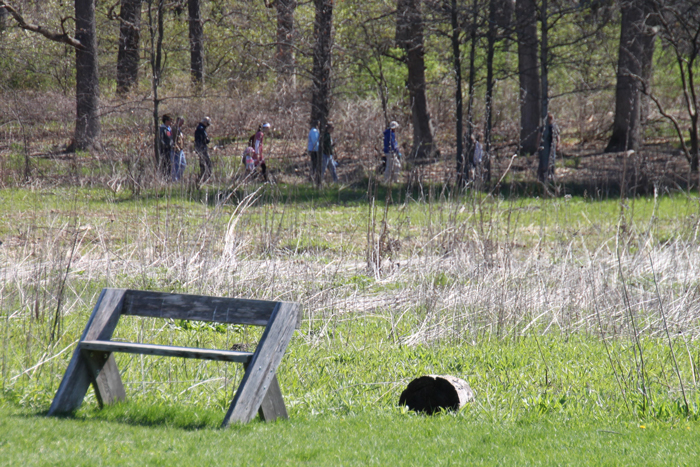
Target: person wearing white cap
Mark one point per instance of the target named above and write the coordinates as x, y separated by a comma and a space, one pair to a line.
201, 140
392, 154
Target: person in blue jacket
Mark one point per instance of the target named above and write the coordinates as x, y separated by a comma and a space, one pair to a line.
312, 148
392, 154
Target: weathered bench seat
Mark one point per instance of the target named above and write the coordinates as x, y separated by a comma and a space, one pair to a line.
167, 351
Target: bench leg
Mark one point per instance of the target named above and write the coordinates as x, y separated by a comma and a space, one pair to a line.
272, 406
262, 367
78, 376
105, 377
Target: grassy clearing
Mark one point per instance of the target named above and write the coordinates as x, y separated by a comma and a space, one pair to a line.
559, 312
144, 437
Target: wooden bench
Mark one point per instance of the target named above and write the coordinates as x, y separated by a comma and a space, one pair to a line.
93, 360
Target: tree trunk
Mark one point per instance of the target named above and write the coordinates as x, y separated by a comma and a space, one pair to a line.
694, 145
543, 170
156, 31
322, 66
128, 55
500, 15
490, 52
409, 36
433, 393
87, 86
691, 96
470, 103
285, 62
3, 19
634, 56
544, 61
458, 88
647, 75
196, 42
526, 29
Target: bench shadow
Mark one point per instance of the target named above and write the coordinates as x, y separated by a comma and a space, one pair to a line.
142, 415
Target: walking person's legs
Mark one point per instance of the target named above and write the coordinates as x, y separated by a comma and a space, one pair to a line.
183, 163
204, 163
175, 163
331, 165
552, 161
324, 163
389, 170
315, 163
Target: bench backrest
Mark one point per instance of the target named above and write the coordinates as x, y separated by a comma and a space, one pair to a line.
199, 308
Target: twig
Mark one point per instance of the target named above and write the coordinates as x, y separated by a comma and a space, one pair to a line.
668, 336
637, 342
607, 349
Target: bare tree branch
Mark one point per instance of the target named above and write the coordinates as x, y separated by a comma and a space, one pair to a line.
64, 37
676, 125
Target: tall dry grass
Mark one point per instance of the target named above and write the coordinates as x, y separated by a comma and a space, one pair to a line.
473, 269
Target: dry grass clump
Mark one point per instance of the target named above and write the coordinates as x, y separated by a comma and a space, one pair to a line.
439, 282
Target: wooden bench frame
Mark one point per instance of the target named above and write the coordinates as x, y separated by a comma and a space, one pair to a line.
93, 360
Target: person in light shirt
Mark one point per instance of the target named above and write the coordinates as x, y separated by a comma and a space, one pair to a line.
312, 148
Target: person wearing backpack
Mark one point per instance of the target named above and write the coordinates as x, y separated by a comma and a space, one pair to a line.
201, 141
392, 154
256, 142
166, 145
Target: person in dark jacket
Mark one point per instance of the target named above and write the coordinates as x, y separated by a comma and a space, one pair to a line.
548, 139
166, 145
327, 151
201, 141
392, 154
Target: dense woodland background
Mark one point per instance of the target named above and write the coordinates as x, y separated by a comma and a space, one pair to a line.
572, 311
617, 75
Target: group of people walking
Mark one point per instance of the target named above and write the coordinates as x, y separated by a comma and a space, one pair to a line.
172, 148
320, 149
173, 160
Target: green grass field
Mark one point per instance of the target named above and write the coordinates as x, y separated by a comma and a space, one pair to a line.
380, 438
574, 320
